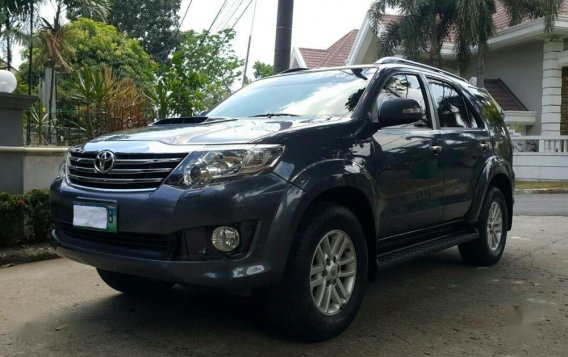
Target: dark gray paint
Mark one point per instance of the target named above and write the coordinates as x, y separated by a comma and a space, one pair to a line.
395, 176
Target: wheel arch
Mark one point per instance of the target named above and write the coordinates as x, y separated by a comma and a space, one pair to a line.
496, 173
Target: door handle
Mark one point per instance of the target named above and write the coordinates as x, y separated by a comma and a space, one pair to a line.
484, 146
436, 149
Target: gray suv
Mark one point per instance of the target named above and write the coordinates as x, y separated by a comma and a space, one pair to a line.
297, 187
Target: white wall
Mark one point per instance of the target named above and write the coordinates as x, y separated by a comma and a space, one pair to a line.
541, 166
520, 67
41, 167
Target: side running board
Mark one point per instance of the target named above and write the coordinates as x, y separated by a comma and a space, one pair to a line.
420, 249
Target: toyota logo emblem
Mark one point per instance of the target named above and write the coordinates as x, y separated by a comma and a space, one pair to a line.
104, 162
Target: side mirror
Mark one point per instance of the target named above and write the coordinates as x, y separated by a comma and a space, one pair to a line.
399, 111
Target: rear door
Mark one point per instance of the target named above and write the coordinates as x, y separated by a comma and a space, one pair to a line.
467, 146
408, 163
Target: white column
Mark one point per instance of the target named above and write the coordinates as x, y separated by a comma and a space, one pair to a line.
551, 89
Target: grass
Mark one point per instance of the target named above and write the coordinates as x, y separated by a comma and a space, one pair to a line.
529, 185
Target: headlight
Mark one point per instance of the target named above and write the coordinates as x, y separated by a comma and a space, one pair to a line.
222, 163
63, 166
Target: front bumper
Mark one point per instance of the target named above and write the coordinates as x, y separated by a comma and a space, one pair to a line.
267, 200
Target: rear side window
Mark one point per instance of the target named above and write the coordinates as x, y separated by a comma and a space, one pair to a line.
406, 86
451, 106
489, 109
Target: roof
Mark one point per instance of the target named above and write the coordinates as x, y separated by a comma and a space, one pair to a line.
501, 18
335, 55
504, 96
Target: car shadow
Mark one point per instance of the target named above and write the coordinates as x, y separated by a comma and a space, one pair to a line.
209, 322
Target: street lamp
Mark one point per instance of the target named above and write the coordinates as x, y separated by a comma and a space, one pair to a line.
8, 81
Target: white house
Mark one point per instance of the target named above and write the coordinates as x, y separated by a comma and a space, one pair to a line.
527, 73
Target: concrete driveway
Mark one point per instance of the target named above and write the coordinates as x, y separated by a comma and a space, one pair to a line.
435, 306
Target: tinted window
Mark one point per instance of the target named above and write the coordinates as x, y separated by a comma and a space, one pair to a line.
327, 93
404, 86
489, 109
451, 106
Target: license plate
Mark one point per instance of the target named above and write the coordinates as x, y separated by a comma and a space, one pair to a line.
98, 216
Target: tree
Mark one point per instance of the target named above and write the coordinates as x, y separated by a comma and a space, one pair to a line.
426, 24
54, 37
12, 20
93, 43
423, 27
474, 25
200, 74
262, 70
154, 23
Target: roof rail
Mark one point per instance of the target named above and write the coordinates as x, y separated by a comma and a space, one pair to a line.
292, 70
393, 60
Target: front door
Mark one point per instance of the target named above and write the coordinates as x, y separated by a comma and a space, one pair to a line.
410, 178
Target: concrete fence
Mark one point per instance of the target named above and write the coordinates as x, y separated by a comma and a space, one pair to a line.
541, 158
40, 164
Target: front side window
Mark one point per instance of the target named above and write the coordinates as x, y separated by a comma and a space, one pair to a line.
405, 86
321, 93
451, 106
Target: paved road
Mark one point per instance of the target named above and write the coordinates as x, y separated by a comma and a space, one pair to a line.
435, 306
542, 205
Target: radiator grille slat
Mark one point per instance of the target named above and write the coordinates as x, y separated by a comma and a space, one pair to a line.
131, 172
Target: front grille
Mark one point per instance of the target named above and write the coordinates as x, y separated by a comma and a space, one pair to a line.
130, 171
130, 244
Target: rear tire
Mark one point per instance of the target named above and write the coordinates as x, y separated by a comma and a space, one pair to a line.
323, 284
134, 285
492, 225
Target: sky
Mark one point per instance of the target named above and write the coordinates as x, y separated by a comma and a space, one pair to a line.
317, 23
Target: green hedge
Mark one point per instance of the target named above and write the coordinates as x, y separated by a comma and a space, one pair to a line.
30, 210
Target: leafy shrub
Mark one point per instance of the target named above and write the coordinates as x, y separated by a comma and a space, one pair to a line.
31, 208
38, 214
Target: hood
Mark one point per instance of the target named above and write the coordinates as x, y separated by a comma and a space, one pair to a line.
230, 131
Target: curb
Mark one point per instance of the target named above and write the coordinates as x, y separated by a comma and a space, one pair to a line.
26, 254
533, 191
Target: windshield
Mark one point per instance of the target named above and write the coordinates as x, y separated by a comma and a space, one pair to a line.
324, 93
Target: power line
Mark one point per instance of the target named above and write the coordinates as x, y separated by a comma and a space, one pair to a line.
229, 13
232, 11
184, 15
217, 16
249, 42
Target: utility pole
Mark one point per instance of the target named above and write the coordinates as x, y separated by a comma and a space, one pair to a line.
248, 47
283, 45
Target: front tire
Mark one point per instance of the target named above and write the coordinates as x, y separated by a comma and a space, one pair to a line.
134, 285
323, 285
492, 225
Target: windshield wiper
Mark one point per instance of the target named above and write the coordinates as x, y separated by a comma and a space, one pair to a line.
270, 115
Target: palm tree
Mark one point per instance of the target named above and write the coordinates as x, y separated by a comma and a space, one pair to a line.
12, 19
425, 24
54, 36
474, 24
421, 29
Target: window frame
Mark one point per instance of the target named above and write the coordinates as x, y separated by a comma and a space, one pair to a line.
481, 126
433, 119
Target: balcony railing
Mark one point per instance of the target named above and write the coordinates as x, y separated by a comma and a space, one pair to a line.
548, 144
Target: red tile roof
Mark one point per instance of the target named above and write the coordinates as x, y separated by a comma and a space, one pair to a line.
503, 95
335, 55
500, 18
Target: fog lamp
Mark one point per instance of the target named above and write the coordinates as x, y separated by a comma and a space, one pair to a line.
225, 239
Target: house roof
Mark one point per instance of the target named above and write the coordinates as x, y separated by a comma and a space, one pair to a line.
501, 18
335, 55
507, 100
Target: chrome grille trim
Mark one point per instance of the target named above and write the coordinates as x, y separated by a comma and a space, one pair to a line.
132, 172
